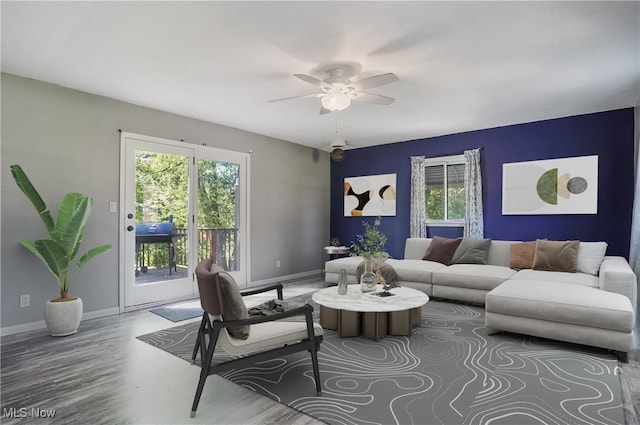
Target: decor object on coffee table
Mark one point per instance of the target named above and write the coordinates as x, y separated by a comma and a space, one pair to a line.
62, 314
370, 246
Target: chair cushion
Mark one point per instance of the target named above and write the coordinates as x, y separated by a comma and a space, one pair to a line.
233, 305
441, 250
266, 336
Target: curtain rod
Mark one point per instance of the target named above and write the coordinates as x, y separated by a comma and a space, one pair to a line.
439, 156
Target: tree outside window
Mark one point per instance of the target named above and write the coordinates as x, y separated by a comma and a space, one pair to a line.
444, 191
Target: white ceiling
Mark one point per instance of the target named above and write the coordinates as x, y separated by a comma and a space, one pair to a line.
462, 65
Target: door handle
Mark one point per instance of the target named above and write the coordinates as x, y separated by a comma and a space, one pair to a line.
130, 228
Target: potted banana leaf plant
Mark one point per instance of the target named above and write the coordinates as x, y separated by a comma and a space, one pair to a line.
62, 314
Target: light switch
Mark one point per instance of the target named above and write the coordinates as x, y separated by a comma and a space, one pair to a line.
113, 206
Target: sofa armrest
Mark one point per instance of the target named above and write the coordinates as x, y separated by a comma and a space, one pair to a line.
617, 276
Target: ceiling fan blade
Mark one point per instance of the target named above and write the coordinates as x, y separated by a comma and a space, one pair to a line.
304, 96
373, 98
375, 81
311, 80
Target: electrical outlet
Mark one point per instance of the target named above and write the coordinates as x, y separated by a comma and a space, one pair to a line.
25, 300
277, 264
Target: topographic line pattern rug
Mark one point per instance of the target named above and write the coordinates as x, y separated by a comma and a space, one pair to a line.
451, 370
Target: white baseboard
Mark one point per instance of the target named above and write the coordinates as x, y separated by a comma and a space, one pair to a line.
34, 326
287, 277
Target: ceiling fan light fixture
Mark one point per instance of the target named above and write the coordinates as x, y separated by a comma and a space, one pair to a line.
336, 101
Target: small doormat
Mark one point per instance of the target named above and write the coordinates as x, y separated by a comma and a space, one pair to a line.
177, 314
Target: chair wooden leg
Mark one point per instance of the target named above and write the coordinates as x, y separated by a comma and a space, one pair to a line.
204, 373
316, 369
206, 365
199, 339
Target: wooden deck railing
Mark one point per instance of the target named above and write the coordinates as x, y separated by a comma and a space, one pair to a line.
219, 243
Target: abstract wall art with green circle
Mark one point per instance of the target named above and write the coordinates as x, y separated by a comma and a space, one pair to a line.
553, 186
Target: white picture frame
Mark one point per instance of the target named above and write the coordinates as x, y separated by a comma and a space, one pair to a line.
370, 195
554, 186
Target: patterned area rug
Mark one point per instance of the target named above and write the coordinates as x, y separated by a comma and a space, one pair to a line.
451, 370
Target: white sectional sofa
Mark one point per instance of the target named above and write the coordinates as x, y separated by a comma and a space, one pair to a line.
593, 306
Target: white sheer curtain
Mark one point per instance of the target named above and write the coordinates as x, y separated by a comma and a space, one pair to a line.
417, 225
473, 215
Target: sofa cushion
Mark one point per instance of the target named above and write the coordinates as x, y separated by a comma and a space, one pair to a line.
415, 270
522, 254
582, 279
441, 250
472, 251
414, 248
559, 256
475, 276
563, 303
500, 253
590, 256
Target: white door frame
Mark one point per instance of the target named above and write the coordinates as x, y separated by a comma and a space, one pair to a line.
204, 152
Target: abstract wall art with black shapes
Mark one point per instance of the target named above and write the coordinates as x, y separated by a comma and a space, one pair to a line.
553, 186
370, 195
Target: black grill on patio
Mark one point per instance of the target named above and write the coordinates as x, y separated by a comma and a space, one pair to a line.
151, 234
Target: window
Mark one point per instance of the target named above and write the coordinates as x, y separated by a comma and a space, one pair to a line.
444, 190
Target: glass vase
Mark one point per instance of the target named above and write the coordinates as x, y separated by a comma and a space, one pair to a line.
342, 282
368, 277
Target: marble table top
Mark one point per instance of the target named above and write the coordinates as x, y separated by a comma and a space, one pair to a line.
356, 300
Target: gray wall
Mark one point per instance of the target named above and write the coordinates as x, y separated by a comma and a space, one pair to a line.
68, 140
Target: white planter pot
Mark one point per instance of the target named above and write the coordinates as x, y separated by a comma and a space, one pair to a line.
63, 318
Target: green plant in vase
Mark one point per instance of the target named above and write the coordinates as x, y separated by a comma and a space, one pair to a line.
371, 243
370, 246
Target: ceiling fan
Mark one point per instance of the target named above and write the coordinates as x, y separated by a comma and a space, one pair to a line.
337, 90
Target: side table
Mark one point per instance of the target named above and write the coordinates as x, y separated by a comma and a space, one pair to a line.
330, 253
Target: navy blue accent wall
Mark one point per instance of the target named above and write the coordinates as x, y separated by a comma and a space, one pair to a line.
606, 134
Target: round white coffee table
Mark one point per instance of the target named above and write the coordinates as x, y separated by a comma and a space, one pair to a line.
371, 316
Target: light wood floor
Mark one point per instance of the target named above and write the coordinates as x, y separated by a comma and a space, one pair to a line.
104, 375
